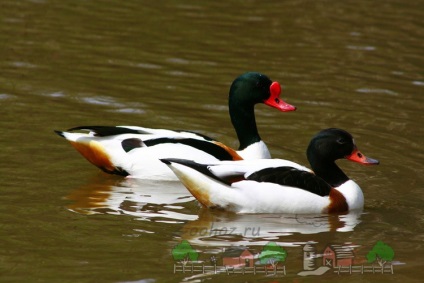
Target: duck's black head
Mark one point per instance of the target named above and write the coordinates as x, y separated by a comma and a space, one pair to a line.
332, 144
252, 88
329, 145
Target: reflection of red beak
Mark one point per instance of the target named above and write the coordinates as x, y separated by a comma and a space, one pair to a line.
357, 156
275, 101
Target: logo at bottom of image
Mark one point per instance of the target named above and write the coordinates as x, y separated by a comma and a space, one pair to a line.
271, 258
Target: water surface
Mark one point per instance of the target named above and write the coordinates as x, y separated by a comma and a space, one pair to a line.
352, 65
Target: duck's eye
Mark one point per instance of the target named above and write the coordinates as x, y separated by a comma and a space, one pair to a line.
341, 141
359, 155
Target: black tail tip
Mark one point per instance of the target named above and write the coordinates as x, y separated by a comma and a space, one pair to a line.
60, 133
166, 161
169, 161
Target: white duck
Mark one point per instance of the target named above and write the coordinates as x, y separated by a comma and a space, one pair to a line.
135, 151
279, 186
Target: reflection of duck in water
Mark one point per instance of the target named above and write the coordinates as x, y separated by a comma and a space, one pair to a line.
280, 186
215, 228
141, 198
135, 151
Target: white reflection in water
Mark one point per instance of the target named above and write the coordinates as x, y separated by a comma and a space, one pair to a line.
144, 199
214, 228
23, 65
107, 101
419, 83
100, 100
56, 94
130, 110
166, 202
382, 91
6, 96
363, 48
148, 66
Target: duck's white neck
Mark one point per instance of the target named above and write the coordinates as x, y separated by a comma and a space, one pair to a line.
257, 150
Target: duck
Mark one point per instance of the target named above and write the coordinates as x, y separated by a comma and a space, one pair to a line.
278, 185
134, 151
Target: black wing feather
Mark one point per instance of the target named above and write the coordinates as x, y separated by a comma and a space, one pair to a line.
289, 176
104, 131
130, 144
209, 147
202, 168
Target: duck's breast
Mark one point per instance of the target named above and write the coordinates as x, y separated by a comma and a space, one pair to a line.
353, 195
256, 150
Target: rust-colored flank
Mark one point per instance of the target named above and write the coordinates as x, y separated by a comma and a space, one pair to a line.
338, 202
94, 152
231, 151
201, 195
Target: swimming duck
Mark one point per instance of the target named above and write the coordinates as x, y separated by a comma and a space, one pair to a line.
280, 186
135, 151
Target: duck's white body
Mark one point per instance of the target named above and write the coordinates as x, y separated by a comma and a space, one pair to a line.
260, 197
141, 161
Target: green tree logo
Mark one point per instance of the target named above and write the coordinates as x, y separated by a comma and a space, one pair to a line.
272, 254
184, 252
381, 253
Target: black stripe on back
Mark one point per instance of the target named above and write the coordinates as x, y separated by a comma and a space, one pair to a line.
211, 148
130, 144
202, 168
289, 176
103, 131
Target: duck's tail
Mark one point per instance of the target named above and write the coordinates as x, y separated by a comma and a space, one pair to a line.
207, 188
93, 149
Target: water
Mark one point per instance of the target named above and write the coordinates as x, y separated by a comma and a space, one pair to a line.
357, 66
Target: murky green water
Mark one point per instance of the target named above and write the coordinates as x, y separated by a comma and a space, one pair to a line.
357, 65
